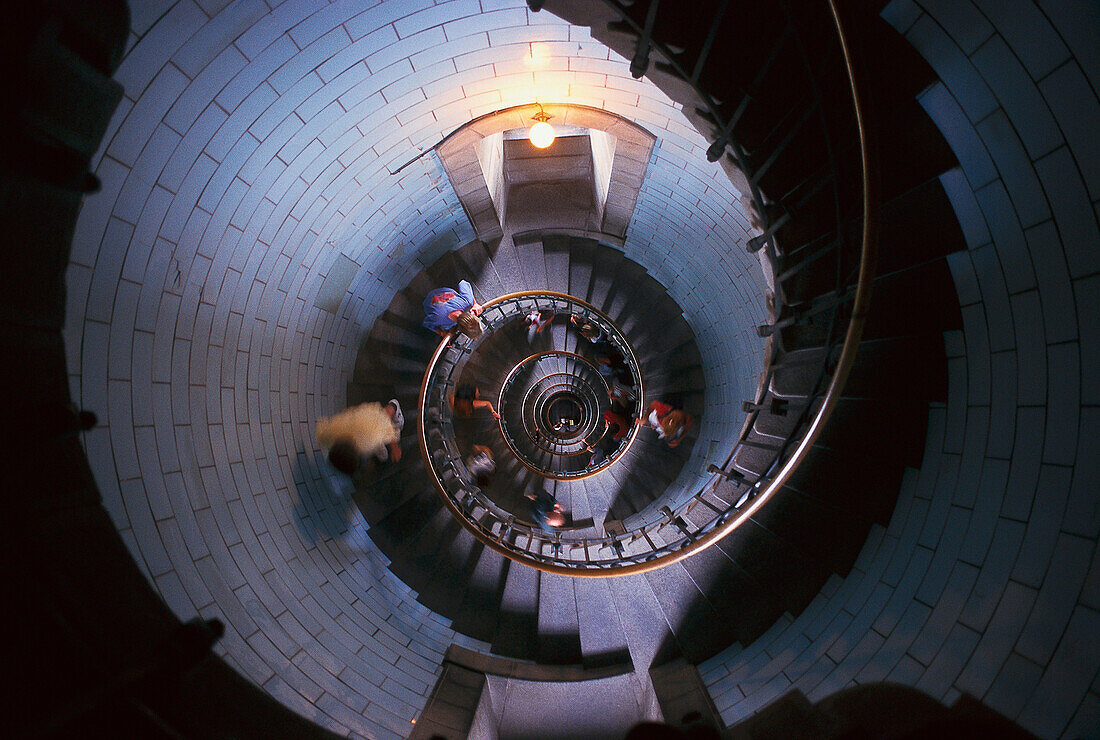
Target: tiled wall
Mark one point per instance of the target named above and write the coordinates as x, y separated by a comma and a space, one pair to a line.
987, 580
254, 145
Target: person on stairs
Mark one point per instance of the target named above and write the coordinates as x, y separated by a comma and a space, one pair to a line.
622, 407
367, 431
606, 445
467, 399
622, 394
481, 465
587, 329
612, 366
447, 308
546, 512
670, 423
536, 321
616, 417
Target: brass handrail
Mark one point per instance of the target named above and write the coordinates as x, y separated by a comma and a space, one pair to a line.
521, 457
630, 357
688, 545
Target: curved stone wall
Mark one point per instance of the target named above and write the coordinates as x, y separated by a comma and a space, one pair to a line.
253, 147
987, 580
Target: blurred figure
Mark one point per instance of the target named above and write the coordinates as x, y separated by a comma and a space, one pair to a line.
614, 417
606, 444
612, 365
467, 399
368, 430
587, 329
622, 395
671, 424
537, 321
481, 465
546, 512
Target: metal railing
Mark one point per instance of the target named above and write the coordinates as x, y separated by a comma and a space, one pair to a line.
454, 351
549, 385
703, 518
492, 525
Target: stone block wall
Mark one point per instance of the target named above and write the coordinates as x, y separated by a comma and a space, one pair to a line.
254, 146
987, 580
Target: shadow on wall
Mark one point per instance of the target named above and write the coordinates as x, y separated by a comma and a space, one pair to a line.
435, 249
324, 503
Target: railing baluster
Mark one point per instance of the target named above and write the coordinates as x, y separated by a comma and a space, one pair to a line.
808, 261
712, 32
779, 148
639, 63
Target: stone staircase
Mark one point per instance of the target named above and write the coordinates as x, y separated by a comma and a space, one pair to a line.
520, 611
779, 560
809, 176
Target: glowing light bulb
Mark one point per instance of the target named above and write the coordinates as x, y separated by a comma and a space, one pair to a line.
541, 134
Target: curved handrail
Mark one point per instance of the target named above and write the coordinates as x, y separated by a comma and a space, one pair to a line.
788, 455
536, 437
860, 306
522, 458
507, 307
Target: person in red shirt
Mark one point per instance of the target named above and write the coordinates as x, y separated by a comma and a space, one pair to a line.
671, 424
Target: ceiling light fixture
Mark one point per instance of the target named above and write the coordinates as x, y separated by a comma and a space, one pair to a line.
542, 133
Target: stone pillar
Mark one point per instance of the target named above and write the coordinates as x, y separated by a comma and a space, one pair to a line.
450, 710
682, 695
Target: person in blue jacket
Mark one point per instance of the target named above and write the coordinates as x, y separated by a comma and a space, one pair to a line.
546, 512
447, 308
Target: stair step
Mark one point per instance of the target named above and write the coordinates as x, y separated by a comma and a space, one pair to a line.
914, 152
532, 263
602, 639
909, 301
385, 492
599, 490
896, 71
895, 367
900, 367
779, 427
630, 284
407, 318
776, 566
559, 626
456, 560
580, 266
828, 534
362, 392
605, 265
688, 612
475, 263
731, 592
879, 428
827, 476
479, 612
421, 539
517, 626
556, 256
917, 299
754, 462
508, 267
918, 227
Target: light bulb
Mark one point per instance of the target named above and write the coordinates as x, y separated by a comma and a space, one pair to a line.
541, 134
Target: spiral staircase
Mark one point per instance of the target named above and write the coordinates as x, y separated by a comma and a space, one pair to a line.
777, 561
806, 182
488, 596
